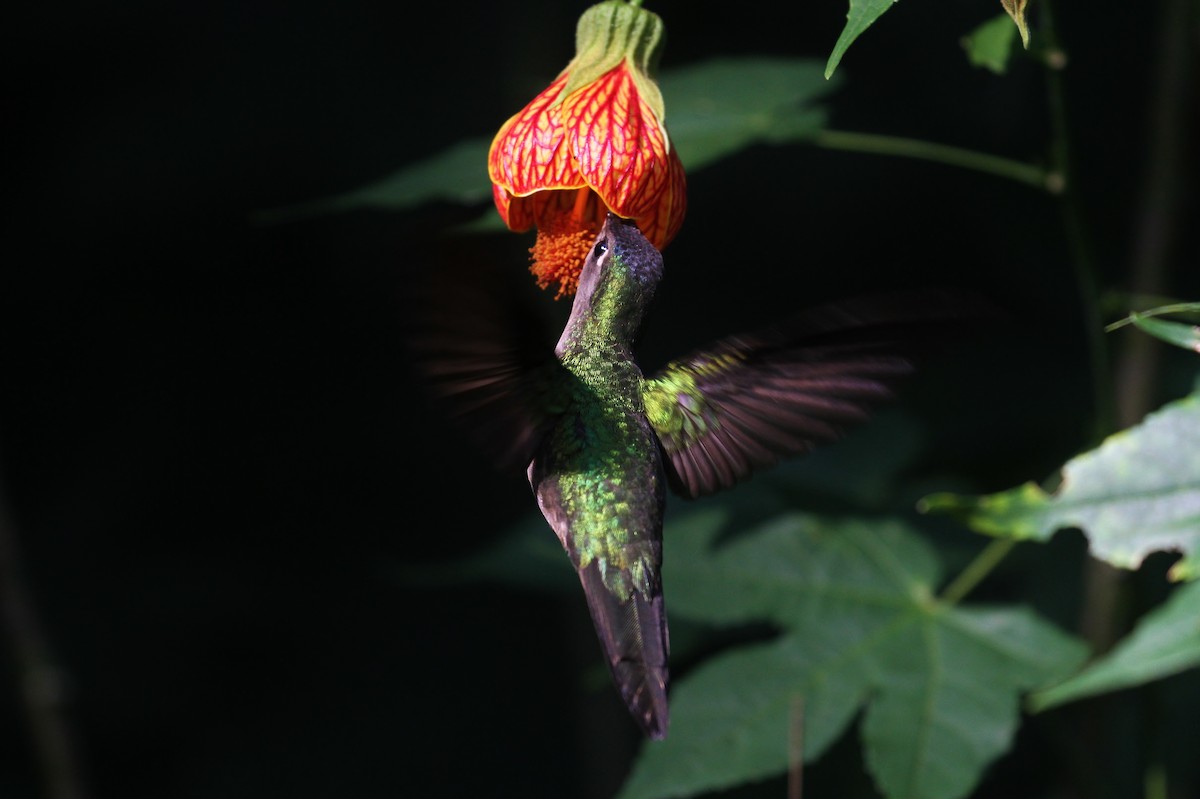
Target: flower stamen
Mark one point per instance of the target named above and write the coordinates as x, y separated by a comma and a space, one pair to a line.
560, 249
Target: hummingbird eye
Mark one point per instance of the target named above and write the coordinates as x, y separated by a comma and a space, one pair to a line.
600, 248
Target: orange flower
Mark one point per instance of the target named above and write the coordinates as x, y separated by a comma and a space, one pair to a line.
592, 142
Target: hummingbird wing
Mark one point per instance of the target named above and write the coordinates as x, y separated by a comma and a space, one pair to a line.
746, 401
484, 358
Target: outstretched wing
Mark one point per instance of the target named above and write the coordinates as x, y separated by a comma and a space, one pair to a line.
483, 356
746, 401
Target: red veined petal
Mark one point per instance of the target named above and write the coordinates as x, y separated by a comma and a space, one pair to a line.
503, 201
529, 152
617, 142
660, 225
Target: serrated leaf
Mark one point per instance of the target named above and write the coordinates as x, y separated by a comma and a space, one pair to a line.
1138, 493
714, 108
1166, 641
859, 627
990, 45
861, 15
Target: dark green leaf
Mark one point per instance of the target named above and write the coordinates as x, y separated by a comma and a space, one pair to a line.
1165, 642
1177, 333
860, 16
853, 599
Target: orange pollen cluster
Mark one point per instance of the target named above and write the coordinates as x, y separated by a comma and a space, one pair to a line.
558, 255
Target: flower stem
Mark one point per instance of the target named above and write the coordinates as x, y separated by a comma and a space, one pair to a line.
1029, 174
977, 569
1082, 262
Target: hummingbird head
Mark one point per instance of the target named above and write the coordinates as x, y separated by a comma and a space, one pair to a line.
618, 280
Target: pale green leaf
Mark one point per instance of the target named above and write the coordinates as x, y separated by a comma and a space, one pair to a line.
1166, 641
859, 629
714, 109
1138, 493
990, 45
861, 15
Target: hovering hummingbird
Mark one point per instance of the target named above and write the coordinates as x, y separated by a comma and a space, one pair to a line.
601, 442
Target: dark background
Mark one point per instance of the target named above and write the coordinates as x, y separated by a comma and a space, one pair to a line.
216, 465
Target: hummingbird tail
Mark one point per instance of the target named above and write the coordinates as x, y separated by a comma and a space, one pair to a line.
634, 636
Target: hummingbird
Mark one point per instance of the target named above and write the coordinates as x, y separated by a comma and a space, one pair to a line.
602, 444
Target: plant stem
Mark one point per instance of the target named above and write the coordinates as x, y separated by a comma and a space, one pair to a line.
1029, 174
1082, 263
977, 569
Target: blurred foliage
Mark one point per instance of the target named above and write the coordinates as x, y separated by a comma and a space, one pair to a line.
990, 45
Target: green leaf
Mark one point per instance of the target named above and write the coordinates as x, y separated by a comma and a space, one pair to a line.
860, 16
990, 45
457, 174
723, 105
714, 109
859, 628
1166, 641
1177, 333
1138, 493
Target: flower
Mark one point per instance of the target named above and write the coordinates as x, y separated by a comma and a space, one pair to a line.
593, 141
